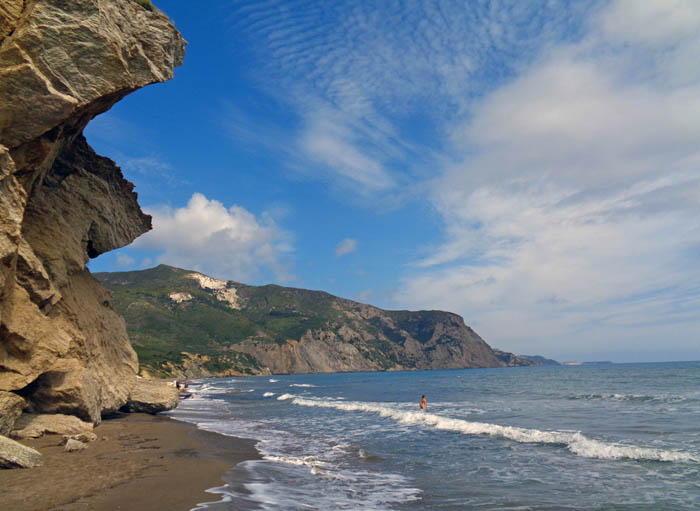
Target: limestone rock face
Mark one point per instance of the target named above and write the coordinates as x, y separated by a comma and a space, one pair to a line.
15, 455
152, 396
63, 347
34, 426
11, 406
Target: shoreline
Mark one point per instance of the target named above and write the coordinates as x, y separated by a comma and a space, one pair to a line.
138, 461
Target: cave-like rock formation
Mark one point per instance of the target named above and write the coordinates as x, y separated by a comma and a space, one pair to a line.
63, 347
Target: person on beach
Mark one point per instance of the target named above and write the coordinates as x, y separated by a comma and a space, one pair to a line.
423, 402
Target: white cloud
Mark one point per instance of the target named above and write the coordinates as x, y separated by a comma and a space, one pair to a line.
223, 242
346, 246
575, 217
124, 260
330, 143
652, 22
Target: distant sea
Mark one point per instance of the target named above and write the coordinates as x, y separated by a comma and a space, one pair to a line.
607, 437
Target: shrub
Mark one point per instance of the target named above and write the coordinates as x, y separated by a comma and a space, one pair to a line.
146, 4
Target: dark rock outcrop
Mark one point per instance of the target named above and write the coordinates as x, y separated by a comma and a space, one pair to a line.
512, 360
63, 347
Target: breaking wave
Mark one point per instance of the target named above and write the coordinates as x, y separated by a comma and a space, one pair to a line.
627, 397
575, 442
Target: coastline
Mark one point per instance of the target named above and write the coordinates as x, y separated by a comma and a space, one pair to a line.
138, 461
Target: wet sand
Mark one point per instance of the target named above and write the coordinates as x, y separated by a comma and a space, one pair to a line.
138, 462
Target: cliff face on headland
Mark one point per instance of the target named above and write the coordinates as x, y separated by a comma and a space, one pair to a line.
183, 323
63, 346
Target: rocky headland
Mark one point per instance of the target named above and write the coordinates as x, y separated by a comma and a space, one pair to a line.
186, 324
63, 346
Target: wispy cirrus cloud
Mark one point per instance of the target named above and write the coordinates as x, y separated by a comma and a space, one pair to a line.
376, 87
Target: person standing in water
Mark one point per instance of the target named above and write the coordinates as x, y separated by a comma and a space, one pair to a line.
423, 402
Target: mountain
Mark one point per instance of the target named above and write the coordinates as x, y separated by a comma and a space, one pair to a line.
184, 323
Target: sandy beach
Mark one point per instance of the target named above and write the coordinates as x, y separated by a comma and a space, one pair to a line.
138, 462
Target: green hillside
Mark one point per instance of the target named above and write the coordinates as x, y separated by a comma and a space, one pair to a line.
182, 322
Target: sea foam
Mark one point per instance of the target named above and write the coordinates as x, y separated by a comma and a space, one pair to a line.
575, 442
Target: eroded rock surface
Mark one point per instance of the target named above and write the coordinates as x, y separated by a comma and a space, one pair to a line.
63, 347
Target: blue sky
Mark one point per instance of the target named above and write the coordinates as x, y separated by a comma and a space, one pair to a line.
533, 166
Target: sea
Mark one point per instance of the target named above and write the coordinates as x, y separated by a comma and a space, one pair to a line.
590, 437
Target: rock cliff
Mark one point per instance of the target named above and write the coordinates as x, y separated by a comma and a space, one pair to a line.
183, 323
63, 346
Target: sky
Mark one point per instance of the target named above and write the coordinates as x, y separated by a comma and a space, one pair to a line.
533, 166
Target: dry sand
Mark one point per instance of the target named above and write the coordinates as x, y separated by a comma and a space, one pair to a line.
138, 462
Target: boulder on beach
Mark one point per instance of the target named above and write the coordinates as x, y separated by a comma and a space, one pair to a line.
151, 396
15, 455
73, 445
11, 406
34, 426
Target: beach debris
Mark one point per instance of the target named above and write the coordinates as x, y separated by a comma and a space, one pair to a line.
81, 437
35, 426
11, 406
15, 455
73, 445
152, 396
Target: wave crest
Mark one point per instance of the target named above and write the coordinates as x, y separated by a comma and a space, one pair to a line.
575, 442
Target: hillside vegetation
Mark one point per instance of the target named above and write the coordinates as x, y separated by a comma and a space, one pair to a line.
184, 323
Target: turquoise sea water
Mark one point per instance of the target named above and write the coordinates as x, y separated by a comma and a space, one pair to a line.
608, 437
